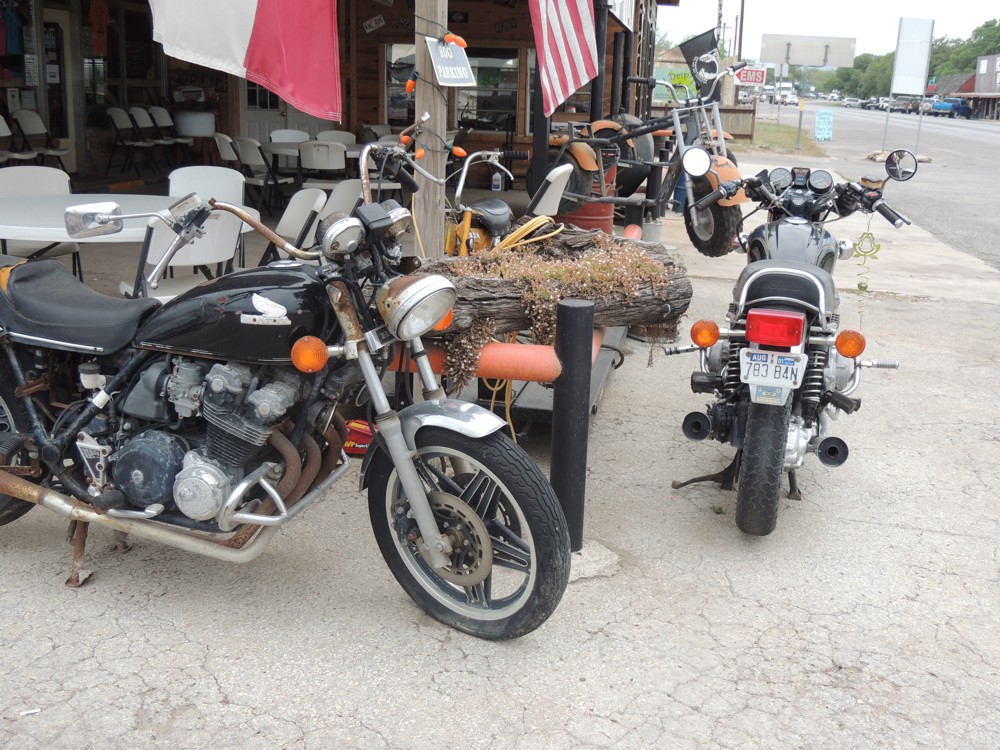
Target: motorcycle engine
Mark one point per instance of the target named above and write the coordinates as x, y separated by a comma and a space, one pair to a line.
198, 474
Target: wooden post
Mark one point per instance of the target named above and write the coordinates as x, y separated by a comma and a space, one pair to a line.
430, 18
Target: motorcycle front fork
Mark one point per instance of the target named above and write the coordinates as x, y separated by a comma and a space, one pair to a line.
436, 546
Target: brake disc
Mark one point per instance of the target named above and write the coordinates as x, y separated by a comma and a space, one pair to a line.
472, 551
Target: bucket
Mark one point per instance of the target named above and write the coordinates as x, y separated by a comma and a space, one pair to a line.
680, 197
590, 216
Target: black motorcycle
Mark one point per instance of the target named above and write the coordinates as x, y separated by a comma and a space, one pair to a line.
781, 367
211, 421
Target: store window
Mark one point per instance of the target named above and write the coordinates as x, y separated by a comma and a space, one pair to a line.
575, 108
492, 103
122, 66
399, 106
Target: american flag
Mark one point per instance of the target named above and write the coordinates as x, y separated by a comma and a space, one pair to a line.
566, 47
293, 53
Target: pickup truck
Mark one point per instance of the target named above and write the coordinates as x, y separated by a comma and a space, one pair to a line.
951, 107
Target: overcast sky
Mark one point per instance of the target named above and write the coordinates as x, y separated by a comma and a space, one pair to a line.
873, 23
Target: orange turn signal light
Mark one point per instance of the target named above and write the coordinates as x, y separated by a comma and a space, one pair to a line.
309, 354
445, 323
704, 333
850, 343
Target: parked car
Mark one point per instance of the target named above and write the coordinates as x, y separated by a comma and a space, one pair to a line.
871, 103
834, 96
850, 101
952, 107
903, 104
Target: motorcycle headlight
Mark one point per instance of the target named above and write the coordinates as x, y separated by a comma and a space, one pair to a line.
339, 234
412, 305
401, 218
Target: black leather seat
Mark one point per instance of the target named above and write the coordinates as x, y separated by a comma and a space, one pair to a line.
42, 299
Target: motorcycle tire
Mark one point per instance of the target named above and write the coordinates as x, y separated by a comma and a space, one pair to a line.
512, 559
714, 237
12, 419
759, 488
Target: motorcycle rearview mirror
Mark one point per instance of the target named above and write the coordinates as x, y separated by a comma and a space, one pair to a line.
93, 220
696, 161
901, 165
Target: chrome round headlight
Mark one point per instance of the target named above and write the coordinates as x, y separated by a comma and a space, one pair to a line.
412, 305
401, 218
340, 234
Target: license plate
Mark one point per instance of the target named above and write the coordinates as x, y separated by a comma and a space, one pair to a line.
772, 369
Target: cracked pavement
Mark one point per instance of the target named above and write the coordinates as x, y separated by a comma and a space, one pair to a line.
869, 618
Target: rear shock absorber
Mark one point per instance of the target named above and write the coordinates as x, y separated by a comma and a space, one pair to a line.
812, 381
732, 381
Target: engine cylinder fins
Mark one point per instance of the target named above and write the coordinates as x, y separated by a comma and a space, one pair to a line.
832, 451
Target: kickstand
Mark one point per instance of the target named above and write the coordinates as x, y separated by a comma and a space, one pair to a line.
793, 486
726, 478
78, 535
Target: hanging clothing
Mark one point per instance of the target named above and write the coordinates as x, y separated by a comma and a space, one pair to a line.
12, 17
99, 19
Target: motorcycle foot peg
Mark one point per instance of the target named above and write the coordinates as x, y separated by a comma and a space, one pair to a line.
697, 426
705, 382
842, 402
832, 451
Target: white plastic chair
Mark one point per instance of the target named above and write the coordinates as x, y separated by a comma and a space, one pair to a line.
216, 248
258, 171
29, 123
149, 132
165, 124
337, 136
127, 139
343, 198
5, 132
37, 180
286, 135
298, 218
326, 159
227, 150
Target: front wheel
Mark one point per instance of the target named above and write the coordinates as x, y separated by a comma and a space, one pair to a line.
713, 236
762, 467
511, 558
12, 421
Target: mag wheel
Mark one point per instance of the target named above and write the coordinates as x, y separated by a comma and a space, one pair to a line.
713, 236
510, 545
759, 488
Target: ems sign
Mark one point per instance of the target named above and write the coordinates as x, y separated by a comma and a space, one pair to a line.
751, 76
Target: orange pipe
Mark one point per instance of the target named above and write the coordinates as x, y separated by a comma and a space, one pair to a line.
531, 362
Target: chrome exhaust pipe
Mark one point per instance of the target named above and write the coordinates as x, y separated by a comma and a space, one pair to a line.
73, 510
832, 451
697, 426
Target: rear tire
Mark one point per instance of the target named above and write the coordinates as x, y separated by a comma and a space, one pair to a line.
714, 236
759, 489
12, 420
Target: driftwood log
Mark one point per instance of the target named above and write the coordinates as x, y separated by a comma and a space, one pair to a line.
507, 302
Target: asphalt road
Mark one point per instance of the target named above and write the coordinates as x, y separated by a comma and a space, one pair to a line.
952, 195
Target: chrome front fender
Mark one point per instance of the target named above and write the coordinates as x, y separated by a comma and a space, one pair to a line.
470, 420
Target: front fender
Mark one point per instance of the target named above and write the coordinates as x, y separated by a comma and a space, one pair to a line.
470, 420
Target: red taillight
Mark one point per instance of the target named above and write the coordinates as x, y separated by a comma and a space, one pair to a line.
775, 327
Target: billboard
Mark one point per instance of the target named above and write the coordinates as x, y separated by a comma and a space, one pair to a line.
913, 56
811, 51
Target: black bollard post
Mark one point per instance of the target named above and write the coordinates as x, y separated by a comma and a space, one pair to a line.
571, 411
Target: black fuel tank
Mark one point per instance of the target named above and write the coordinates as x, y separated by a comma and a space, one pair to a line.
794, 238
252, 316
